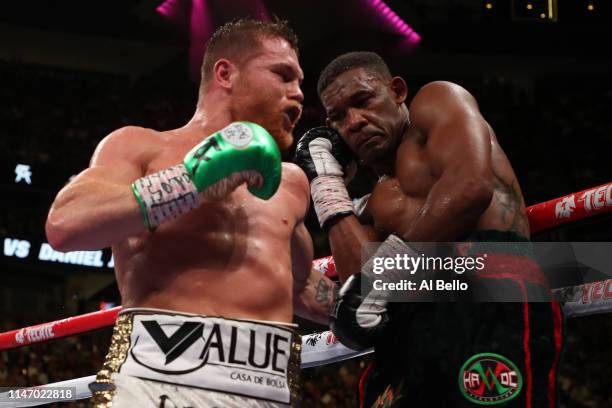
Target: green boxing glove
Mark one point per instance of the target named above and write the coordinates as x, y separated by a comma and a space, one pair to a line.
241, 146
242, 152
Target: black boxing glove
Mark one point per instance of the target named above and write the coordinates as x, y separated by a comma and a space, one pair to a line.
360, 313
355, 321
324, 156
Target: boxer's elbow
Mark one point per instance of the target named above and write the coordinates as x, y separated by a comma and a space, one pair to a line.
60, 231
477, 193
63, 225
56, 232
314, 306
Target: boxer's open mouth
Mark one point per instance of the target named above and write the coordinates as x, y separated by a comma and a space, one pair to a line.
293, 114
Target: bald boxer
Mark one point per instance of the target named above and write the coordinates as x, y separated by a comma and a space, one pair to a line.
442, 177
212, 258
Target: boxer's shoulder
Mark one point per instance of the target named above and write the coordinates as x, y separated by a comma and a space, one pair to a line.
294, 178
132, 136
438, 100
294, 189
126, 143
444, 89
127, 134
293, 172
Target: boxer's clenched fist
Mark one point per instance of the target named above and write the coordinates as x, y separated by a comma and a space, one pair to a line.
242, 152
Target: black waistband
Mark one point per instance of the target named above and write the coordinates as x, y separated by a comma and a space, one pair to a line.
495, 241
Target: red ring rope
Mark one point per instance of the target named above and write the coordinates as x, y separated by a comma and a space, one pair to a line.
60, 328
570, 208
553, 213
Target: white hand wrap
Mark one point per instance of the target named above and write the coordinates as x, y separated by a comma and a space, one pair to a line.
165, 195
330, 198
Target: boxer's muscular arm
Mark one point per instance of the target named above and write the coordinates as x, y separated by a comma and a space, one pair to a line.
459, 148
97, 208
325, 158
346, 238
313, 291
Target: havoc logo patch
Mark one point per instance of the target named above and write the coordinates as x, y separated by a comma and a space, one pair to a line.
489, 379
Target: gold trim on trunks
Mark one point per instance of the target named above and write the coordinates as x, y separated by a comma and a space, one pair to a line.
103, 389
293, 370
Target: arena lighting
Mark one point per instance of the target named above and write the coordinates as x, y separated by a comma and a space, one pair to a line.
488, 6
532, 10
395, 21
552, 10
195, 17
590, 6
166, 8
106, 305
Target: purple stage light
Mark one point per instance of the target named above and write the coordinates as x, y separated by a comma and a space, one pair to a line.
173, 10
196, 18
395, 22
166, 7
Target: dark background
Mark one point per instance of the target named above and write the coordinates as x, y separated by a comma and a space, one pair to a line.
72, 71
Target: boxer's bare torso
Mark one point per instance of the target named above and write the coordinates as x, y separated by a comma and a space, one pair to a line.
421, 154
397, 200
230, 258
442, 173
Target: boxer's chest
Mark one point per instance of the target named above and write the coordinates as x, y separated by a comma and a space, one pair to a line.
396, 200
238, 212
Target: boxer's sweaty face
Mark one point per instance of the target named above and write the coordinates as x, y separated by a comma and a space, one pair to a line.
361, 108
268, 92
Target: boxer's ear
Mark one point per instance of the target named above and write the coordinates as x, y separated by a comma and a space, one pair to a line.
399, 89
224, 73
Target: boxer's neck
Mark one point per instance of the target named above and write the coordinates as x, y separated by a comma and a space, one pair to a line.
211, 116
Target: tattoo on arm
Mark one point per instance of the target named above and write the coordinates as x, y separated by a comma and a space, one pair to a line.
325, 292
510, 201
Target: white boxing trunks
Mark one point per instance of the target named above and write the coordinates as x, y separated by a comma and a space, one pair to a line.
168, 359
